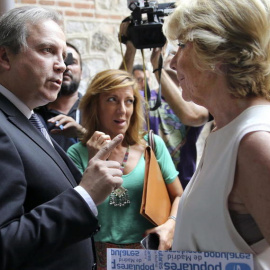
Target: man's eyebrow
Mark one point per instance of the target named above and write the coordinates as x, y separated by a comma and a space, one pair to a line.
45, 45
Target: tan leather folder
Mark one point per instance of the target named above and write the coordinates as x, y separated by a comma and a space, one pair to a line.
156, 203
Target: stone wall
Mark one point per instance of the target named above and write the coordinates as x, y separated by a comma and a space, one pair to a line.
92, 26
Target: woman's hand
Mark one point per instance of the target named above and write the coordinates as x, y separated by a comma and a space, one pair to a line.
96, 142
165, 233
166, 230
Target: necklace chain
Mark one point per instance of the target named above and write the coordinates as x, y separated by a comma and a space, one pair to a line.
124, 162
120, 197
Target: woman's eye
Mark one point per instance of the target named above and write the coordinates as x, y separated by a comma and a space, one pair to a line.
130, 101
181, 45
111, 99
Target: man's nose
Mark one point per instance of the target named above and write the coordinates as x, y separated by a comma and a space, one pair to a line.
60, 65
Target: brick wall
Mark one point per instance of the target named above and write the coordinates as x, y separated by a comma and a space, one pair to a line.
92, 26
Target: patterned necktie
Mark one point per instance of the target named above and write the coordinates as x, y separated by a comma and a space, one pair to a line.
35, 121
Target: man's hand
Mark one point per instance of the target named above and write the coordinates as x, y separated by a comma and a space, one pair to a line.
67, 126
101, 177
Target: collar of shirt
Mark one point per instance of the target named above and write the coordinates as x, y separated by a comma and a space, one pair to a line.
15, 101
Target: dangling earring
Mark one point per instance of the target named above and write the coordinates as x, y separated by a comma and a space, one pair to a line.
212, 67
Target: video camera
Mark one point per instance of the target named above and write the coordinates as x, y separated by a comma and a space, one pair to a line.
145, 29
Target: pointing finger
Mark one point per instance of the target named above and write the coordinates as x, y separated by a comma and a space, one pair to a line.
105, 151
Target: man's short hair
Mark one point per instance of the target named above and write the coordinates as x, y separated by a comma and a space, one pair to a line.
14, 25
76, 50
138, 67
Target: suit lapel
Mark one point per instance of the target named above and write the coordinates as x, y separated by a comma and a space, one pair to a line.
72, 168
23, 124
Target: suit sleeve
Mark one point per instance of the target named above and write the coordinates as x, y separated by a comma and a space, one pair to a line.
43, 230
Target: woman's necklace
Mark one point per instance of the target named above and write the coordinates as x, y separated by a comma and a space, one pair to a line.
119, 197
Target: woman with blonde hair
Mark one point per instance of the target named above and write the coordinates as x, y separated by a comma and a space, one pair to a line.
112, 106
223, 64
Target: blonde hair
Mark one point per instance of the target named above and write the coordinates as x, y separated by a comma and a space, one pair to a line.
107, 81
234, 33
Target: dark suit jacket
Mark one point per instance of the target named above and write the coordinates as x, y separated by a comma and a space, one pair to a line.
44, 222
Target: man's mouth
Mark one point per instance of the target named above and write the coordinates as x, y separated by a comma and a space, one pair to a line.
57, 82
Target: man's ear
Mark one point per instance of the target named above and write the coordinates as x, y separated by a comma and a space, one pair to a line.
4, 58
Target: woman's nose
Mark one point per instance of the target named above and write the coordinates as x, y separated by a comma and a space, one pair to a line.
122, 107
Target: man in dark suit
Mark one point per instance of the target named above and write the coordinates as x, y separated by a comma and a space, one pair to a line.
47, 209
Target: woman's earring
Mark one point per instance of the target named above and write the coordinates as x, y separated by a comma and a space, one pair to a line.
212, 67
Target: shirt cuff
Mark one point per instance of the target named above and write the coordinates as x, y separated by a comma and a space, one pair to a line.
87, 199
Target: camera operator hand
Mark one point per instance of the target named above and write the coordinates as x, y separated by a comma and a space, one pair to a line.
130, 49
123, 30
156, 53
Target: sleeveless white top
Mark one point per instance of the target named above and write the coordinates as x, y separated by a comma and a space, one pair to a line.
203, 220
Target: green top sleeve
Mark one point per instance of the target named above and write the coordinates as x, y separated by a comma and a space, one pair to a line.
164, 159
78, 153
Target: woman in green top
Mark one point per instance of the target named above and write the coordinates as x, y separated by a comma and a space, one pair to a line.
110, 106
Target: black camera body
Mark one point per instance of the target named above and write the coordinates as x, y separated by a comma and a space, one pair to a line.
147, 32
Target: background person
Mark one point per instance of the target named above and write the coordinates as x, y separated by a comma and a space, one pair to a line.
227, 202
111, 106
179, 123
64, 110
48, 210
